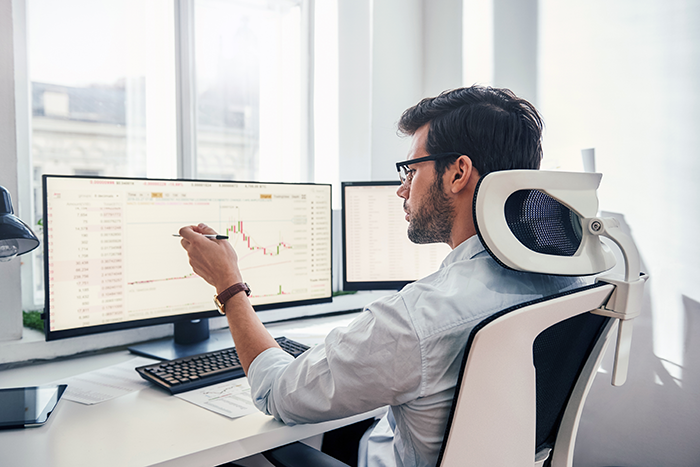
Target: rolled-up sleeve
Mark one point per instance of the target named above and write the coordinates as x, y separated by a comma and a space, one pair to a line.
372, 362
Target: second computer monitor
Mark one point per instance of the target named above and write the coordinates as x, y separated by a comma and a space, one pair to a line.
377, 253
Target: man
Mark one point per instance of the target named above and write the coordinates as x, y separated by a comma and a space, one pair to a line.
403, 350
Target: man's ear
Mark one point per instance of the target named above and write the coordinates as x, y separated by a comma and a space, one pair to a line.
461, 173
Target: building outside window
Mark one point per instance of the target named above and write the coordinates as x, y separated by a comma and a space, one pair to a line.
119, 88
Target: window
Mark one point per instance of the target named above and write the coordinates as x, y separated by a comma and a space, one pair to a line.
110, 92
248, 90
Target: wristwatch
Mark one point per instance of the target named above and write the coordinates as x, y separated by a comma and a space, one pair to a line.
223, 297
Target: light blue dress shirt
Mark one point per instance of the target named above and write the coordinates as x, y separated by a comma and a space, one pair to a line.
403, 350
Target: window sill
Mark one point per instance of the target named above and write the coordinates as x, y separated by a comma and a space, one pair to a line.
34, 347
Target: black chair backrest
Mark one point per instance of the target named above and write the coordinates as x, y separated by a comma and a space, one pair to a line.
559, 354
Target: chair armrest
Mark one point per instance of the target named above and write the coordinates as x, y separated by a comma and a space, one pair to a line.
300, 455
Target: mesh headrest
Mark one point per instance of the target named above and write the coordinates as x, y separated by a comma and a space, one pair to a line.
542, 223
532, 220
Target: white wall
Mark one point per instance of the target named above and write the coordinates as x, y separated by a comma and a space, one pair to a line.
515, 47
397, 78
10, 323
623, 77
442, 52
354, 88
392, 54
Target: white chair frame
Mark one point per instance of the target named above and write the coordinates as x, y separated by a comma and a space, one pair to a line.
500, 368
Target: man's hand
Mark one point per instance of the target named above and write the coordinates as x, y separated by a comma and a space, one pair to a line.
213, 260
216, 262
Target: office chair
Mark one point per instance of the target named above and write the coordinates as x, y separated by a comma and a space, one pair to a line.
527, 370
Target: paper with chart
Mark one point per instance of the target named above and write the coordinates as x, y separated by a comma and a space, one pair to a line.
230, 398
106, 383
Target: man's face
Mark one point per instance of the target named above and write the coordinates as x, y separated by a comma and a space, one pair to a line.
429, 212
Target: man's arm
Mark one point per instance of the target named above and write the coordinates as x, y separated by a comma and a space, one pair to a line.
373, 361
217, 263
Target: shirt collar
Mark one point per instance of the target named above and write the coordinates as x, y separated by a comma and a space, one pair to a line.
468, 249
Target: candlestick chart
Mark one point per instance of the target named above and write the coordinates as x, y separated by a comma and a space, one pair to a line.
281, 240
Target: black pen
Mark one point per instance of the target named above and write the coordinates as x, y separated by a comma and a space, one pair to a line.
215, 237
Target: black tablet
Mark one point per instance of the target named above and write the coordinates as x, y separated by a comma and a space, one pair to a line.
27, 407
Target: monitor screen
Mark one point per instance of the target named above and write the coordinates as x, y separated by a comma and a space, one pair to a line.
377, 253
112, 260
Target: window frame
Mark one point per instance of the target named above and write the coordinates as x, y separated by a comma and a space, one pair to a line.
186, 113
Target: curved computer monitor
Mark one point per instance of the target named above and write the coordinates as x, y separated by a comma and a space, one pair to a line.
112, 261
377, 254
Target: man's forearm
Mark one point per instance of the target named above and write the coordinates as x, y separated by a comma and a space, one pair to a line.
248, 332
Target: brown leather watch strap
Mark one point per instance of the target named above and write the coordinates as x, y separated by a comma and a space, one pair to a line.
223, 297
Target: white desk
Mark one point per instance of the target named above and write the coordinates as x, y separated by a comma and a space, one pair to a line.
148, 427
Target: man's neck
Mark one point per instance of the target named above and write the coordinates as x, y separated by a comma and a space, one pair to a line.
461, 231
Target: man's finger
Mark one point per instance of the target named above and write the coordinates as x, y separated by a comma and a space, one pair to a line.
205, 229
187, 232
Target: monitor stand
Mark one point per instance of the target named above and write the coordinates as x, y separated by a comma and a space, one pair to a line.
191, 337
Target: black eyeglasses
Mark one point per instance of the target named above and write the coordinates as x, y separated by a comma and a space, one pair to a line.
406, 174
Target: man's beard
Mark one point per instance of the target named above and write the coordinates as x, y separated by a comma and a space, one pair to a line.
432, 221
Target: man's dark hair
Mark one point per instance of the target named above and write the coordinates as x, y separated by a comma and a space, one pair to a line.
494, 127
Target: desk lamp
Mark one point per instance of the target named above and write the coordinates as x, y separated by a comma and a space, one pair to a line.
16, 238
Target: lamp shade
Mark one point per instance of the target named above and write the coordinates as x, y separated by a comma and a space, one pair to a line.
16, 238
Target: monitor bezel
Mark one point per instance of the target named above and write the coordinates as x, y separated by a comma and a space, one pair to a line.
203, 314
364, 285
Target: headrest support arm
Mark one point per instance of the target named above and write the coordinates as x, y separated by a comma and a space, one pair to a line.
625, 303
